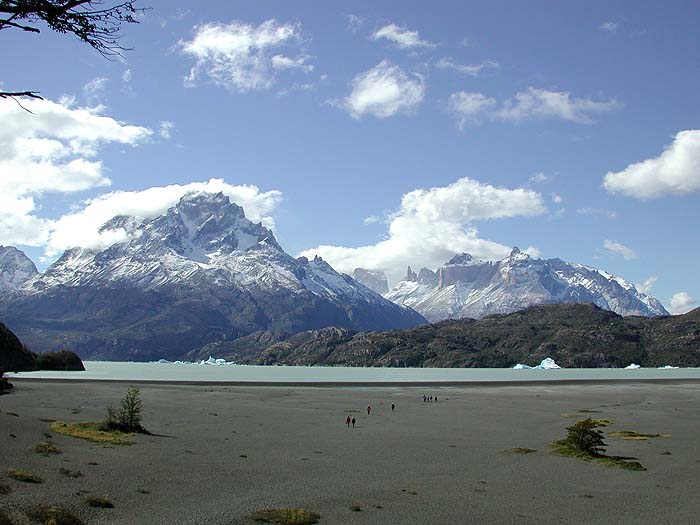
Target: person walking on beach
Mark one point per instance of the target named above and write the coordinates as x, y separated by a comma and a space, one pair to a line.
393, 407
353, 422
369, 410
347, 421
425, 398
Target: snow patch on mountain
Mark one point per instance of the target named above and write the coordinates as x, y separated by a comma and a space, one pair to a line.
15, 268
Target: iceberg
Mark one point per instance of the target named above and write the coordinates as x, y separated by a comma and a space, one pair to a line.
667, 367
632, 366
546, 364
216, 362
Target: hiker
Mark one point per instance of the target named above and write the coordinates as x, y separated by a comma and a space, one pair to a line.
369, 410
425, 398
353, 422
436, 399
347, 421
393, 406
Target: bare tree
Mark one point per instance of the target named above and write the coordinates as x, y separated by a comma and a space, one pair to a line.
92, 21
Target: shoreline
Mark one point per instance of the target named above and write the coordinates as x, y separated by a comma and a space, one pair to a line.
361, 384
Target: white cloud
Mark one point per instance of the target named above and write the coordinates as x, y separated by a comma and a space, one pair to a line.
50, 150
166, 129
533, 252
469, 107
372, 219
609, 27
557, 199
355, 23
530, 104
284, 62
539, 178
401, 36
675, 172
432, 225
617, 248
471, 70
81, 228
240, 56
647, 285
383, 91
610, 214
94, 91
126, 76
681, 303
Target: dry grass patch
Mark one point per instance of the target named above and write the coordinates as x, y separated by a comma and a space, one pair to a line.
95, 432
635, 436
53, 515
520, 450
292, 516
5, 489
70, 473
46, 448
23, 475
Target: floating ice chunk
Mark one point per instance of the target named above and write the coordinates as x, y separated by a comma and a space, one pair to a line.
215, 362
548, 364
632, 366
667, 367
163, 361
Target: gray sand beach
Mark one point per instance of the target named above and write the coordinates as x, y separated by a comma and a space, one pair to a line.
221, 452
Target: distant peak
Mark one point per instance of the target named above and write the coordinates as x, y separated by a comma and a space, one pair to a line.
411, 275
515, 251
462, 258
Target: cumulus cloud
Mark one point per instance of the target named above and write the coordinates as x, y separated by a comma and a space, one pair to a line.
432, 225
383, 91
470, 107
126, 76
647, 285
617, 248
470, 70
557, 199
51, 150
401, 36
539, 178
681, 303
166, 129
355, 23
82, 228
675, 172
532, 103
243, 57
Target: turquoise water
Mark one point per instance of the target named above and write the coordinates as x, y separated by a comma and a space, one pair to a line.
104, 370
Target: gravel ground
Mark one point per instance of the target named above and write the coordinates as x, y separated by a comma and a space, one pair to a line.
220, 453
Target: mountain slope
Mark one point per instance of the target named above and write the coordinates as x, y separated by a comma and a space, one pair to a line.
573, 334
465, 287
199, 273
15, 268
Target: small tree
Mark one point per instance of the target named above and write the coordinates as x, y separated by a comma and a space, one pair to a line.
128, 417
584, 437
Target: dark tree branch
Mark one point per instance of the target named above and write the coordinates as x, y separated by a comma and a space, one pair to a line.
15, 94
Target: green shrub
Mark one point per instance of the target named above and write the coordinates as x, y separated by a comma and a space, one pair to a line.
128, 417
585, 438
293, 516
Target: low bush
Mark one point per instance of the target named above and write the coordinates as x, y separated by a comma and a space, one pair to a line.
23, 475
290, 516
128, 417
53, 515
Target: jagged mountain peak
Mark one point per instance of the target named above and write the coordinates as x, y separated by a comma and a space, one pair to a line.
462, 258
468, 288
15, 268
373, 279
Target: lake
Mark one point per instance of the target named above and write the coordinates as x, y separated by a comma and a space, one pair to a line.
201, 373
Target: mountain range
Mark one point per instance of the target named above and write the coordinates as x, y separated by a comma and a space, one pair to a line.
202, 278
200, 272
469, 288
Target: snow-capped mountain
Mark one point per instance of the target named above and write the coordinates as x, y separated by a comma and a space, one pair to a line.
15, 268
372, 279
199, 273
466, 287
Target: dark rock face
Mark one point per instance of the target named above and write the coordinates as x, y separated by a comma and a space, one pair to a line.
374, 280
198, 274
14, 356
63, 360
573, 334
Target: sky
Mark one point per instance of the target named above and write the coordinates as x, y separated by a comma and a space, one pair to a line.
375, 134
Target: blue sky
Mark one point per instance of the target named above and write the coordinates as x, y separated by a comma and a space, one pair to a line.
507, 115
